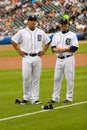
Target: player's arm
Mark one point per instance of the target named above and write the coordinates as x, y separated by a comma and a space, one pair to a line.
70, 49
45, 47
73, 48
17, 48
58, 50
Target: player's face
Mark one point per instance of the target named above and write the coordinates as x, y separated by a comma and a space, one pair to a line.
32, 24
63, 27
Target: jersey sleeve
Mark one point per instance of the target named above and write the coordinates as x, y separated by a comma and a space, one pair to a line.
75, 40
17, 37
54, 40
46, 38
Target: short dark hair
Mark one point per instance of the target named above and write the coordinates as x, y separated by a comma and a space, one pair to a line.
63, 21
32, 17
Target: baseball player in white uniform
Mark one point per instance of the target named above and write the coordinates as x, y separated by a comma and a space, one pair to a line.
31, 39
64, 44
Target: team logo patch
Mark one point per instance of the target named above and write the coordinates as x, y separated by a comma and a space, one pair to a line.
68, 41
39, 37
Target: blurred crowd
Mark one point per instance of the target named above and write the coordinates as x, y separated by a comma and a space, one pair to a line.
74, 10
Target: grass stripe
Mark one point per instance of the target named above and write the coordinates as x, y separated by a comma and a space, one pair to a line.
37, 112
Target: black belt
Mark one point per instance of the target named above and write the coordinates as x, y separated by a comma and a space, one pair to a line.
62, 57
32, 54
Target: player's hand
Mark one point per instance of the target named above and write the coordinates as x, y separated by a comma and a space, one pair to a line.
41, 53
23, 54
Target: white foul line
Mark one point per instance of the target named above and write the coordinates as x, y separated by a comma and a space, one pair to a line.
37, 112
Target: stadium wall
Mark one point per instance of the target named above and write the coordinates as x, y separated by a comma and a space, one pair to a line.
7, 39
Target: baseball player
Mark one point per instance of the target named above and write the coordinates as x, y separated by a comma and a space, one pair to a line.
64, 44
31, 39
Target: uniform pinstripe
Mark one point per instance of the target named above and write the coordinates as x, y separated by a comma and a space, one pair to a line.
31, 43
64, 65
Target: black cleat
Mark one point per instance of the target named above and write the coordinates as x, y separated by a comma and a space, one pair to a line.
22, 102
17, 101
67, 101
52, 101
37, 102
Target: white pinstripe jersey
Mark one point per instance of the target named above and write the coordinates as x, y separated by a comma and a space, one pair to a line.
31, 41
66, 40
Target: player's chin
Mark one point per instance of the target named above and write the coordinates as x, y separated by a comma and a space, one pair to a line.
33, 27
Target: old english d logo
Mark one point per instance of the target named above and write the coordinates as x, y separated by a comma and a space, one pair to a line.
39, 37
68, 41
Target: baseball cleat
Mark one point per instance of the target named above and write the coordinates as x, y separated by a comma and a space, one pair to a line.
52, 101
22, 102
17, 101
67, 101
37, 102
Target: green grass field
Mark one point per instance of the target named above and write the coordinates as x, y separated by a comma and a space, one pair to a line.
82, 49
68, 118
32, 117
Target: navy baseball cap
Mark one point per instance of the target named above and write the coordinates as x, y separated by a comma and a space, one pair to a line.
63, 21
32, 17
